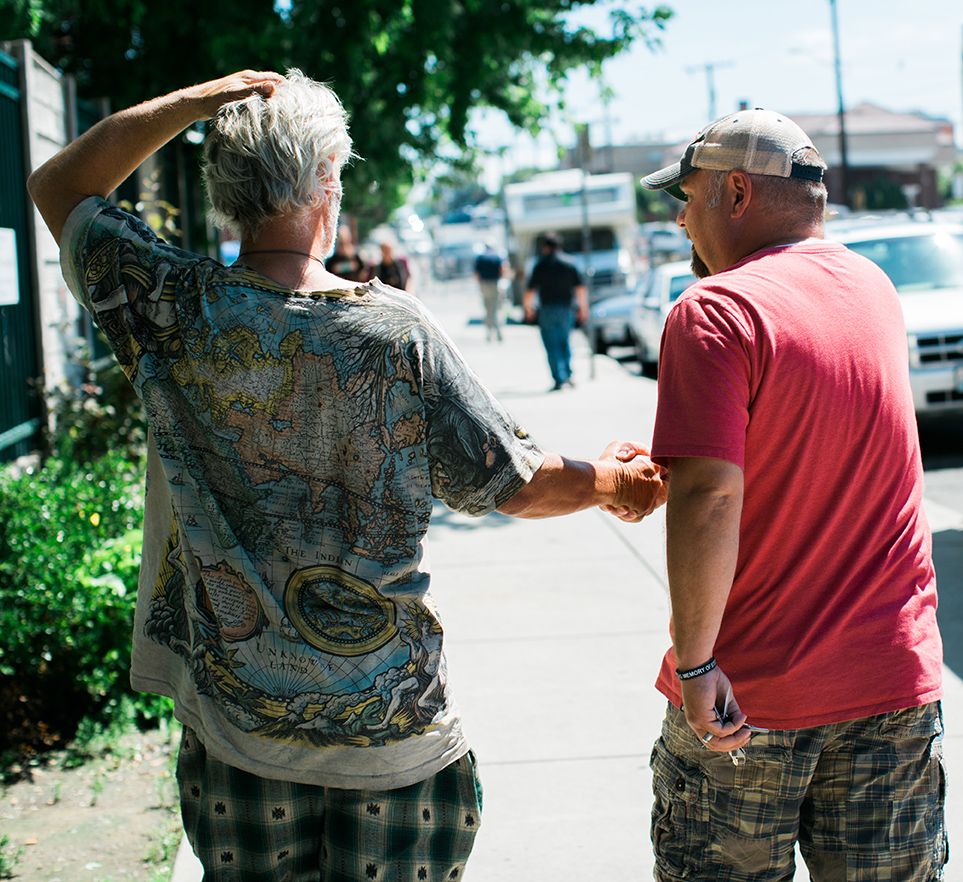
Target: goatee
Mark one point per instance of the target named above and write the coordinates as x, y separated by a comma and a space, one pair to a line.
699, 268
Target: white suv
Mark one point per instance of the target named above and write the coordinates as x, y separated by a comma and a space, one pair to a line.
924, 259
655, 295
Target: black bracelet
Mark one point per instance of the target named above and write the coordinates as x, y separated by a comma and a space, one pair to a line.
697, 672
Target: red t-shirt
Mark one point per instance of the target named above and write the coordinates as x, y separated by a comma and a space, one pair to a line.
793, 365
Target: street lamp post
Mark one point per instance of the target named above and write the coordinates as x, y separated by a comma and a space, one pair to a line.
584, 158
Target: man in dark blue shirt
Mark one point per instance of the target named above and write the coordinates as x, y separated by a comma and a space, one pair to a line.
560, 287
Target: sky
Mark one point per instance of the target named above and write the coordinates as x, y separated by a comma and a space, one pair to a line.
903, 55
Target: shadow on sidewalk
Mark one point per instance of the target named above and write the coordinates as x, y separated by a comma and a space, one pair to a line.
941, 443
442, 516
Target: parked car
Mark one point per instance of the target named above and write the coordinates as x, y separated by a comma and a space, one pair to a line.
924, 259
609, 323
654, 297
663, 242
455, 260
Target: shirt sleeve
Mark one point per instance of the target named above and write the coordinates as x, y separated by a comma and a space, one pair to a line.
479, 456
704, 381
126, 277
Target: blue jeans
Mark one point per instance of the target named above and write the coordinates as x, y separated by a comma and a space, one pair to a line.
555, 323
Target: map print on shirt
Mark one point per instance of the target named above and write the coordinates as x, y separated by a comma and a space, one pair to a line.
303, 437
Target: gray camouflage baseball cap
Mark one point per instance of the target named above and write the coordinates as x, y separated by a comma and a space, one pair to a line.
760, 142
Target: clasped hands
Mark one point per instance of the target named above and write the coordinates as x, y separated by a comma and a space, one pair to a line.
644, 484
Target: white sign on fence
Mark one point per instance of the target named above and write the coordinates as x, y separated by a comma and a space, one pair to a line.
9, 279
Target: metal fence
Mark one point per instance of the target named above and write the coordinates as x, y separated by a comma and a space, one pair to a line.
20, 405
27, 312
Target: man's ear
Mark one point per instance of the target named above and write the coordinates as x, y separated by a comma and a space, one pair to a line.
740, 193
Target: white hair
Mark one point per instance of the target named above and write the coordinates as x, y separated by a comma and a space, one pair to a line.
270, 157
714, 188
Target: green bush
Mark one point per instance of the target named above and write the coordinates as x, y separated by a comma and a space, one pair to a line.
70, 537
70, 541
98, 416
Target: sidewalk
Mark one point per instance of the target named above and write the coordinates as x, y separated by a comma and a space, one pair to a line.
555, 630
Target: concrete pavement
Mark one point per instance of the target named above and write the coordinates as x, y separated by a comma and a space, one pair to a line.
555, 630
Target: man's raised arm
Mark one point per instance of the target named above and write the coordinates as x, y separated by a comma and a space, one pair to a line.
105, 155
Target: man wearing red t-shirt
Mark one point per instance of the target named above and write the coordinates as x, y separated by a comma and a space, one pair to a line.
804, 678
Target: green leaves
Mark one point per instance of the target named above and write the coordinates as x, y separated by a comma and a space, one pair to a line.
408, 72
69, 557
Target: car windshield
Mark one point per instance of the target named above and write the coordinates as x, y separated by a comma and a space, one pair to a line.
678, 285
601, 239
918, 263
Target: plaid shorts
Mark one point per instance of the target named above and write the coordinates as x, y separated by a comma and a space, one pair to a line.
245, 828
863, 798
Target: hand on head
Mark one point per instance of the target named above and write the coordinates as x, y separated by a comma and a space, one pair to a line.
237, 87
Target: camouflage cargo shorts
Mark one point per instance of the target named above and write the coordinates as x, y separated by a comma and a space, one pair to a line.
864, 799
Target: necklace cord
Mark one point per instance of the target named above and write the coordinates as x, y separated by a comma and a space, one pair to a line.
281, 251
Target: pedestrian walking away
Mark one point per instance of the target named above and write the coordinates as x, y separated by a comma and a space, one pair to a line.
393, 269
345, 262
301, 425
804, 676
489, 269
561, 297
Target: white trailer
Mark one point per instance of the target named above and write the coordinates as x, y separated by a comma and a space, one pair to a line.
595, 217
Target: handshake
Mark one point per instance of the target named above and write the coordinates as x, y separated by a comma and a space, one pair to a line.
622, 481
642, 485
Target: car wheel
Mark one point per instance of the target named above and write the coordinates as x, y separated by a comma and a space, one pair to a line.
646, 364
650, 369
639, 347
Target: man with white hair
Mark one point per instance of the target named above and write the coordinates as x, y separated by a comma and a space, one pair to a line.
301, 426
804, 677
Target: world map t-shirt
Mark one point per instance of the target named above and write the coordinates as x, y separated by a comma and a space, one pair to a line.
297, 443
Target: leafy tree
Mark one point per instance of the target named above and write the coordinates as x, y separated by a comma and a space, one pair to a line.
655, 205
878, 193
408, 71
950, 183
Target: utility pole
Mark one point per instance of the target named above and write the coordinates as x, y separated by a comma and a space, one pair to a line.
584, 157
843, 156
710, 68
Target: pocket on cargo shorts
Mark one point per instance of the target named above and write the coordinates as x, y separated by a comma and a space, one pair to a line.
680, 820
